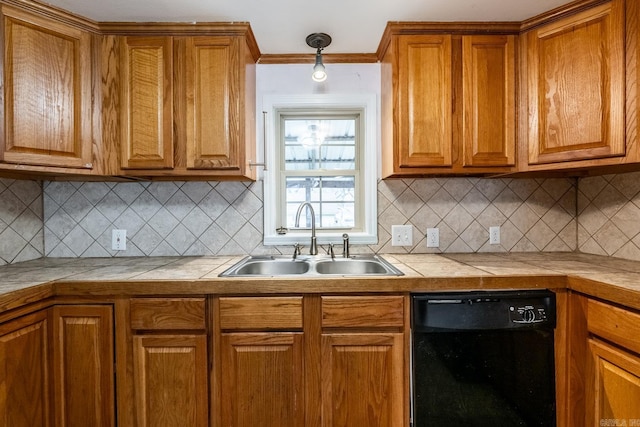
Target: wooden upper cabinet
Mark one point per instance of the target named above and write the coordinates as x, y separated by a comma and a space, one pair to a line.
416, 104
47, 77
188, 104
214, 119
448, 101
575, 82
489, 100
147, 103
424, 96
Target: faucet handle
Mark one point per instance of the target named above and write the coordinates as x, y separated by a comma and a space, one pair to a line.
330, 251
296, 250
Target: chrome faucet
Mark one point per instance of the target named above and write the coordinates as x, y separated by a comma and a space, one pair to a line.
313, 250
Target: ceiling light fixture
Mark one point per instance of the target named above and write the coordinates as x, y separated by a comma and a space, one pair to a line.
319, 41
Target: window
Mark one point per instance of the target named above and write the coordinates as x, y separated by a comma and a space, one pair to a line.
321, 150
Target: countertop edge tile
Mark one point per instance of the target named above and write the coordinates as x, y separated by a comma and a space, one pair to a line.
597, 276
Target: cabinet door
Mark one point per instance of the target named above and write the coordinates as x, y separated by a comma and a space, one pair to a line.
363, 380
262, 379
83, 365
424, 134
575, 80
171, 379
614, 393
488, 91
214, 79
147, 103
47, 90
24, 372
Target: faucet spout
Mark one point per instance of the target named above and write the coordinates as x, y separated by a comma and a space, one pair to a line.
313, 250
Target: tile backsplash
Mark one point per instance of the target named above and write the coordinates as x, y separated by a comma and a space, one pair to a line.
225, 218
609, 215
21, 225
534, 215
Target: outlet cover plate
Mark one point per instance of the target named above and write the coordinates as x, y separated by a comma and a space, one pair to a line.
433, 238
402, 235
119, 240
494, 235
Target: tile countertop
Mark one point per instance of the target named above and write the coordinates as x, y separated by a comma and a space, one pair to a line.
612, 279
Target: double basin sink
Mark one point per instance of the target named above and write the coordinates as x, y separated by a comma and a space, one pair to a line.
313, 265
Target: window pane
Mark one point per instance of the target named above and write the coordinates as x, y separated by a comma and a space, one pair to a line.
319, 144
332, 198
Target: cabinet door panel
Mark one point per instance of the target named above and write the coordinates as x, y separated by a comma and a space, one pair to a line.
171, 380
83, 365
615, 392
488, 100
24, 372
576, 87
47, 83
213, 115
424, 76
147, 103
262, 380
362, 380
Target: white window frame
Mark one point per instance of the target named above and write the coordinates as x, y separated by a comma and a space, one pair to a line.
272, 105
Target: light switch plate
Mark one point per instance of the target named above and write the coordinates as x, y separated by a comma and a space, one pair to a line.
119, 240
402, 235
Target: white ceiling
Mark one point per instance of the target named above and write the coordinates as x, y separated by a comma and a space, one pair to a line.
281, 26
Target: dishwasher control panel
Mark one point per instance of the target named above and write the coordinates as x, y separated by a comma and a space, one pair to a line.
527, 314
483, 310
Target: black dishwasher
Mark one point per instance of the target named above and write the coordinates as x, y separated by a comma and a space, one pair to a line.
483, 359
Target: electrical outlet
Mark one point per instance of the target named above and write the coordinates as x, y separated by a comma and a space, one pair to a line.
402, 235
494, 235
119, 240
433, 237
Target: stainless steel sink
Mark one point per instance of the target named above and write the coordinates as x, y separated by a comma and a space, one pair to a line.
316, 265
271, 267
358, 267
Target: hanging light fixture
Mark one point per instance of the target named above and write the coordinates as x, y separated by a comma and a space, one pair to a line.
319, 41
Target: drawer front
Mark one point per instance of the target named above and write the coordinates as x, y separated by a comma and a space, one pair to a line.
614, 324
261, 313
168, 313
362, 311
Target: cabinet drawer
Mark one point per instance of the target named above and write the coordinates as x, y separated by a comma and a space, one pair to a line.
261, 313
614, 324
362, 311
168, 313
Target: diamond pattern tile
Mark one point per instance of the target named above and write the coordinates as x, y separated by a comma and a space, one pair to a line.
21, 222
532, 213
225, 218
609, 215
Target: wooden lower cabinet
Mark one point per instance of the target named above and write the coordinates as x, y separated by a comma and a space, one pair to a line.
56, 368
82, 347
313, 361
612, 386
25, 371
163, 362
362, 379
614, 391
171, 380
262, 379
